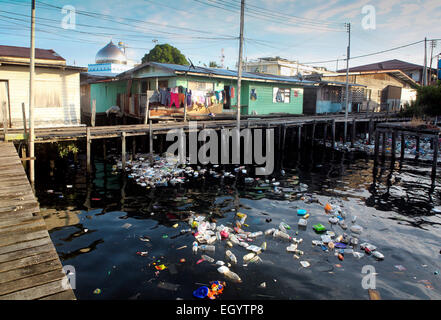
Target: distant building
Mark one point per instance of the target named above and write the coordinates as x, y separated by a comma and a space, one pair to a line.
281, 67
413, 71
57, 88
385, 90
110, 61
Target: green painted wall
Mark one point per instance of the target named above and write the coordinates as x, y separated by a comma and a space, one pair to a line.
105, 94
264, 103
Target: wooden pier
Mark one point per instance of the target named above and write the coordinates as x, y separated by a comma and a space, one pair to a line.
401, 130
29, 264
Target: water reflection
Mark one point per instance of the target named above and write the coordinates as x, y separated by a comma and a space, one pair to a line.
393, 203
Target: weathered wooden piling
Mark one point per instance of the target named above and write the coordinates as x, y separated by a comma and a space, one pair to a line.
88, 150
435, 155
417, 151
377, 146
333, 133
93, 115
403, 146
325, 133
371, 130
123, 149
353, 133
313, 133
392, 150
151, 141
299, 137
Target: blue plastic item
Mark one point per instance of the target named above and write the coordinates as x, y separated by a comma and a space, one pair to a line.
301, 212
201, 292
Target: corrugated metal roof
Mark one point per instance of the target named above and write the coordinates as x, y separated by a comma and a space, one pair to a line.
24, 52
385, 65
230, 73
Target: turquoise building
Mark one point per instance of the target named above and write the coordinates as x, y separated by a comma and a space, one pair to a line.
261, 94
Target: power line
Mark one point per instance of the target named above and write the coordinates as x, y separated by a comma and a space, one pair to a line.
261, 10
369, 54
261, 15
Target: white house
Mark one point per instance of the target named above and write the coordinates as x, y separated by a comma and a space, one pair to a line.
57, 88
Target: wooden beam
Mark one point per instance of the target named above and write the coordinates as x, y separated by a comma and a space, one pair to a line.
123, 150
5, 118
333, 133
435, 155
88, 150
93, 115
25, 130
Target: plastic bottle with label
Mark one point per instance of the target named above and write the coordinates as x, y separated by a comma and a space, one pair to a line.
207, 248
207, 258
231, 256
282, 235
195, 247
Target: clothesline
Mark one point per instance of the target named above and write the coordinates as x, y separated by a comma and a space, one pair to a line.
179, 96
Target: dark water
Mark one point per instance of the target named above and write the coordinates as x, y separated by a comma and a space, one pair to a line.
392, 204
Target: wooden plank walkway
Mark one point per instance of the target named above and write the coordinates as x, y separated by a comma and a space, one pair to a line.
46, 135
29, 264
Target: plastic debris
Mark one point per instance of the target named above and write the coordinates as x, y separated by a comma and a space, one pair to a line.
97, 291
305, 264
319, 228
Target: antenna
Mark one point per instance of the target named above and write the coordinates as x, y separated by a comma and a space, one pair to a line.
222, 58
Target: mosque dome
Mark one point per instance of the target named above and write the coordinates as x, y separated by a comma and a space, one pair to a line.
111, 54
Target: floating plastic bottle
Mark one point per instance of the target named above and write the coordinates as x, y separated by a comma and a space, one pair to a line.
195, 247
269, 231
255, 234
207, 258
263, 246
208, 248
231, 256
282, 235
246, 258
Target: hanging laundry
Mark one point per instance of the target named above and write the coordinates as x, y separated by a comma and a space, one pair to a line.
181, 99
253, 95
188, 94
174, 99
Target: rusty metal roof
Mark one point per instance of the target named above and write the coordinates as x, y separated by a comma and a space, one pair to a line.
23, 52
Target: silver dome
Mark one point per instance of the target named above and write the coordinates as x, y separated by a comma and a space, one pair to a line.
110, 54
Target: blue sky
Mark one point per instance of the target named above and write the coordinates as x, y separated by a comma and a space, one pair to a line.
307, 31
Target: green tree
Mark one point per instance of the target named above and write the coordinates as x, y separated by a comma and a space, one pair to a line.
429, 99
165, 53
213, 64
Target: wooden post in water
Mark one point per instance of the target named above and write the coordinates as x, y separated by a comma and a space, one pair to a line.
325, 133
403, 146
88, 150
435, 155
299, 137
333, 133
104, 149
383, 147
93, 115
313, 133
392, 150
23, 110
377, 147
417, 154
123, 149
151, 141
371, 129
353, 132
133, 147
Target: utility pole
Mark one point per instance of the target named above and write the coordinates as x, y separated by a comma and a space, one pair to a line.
437, 66
32, 100
425, 63
348, 56
432, 46
239, 72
